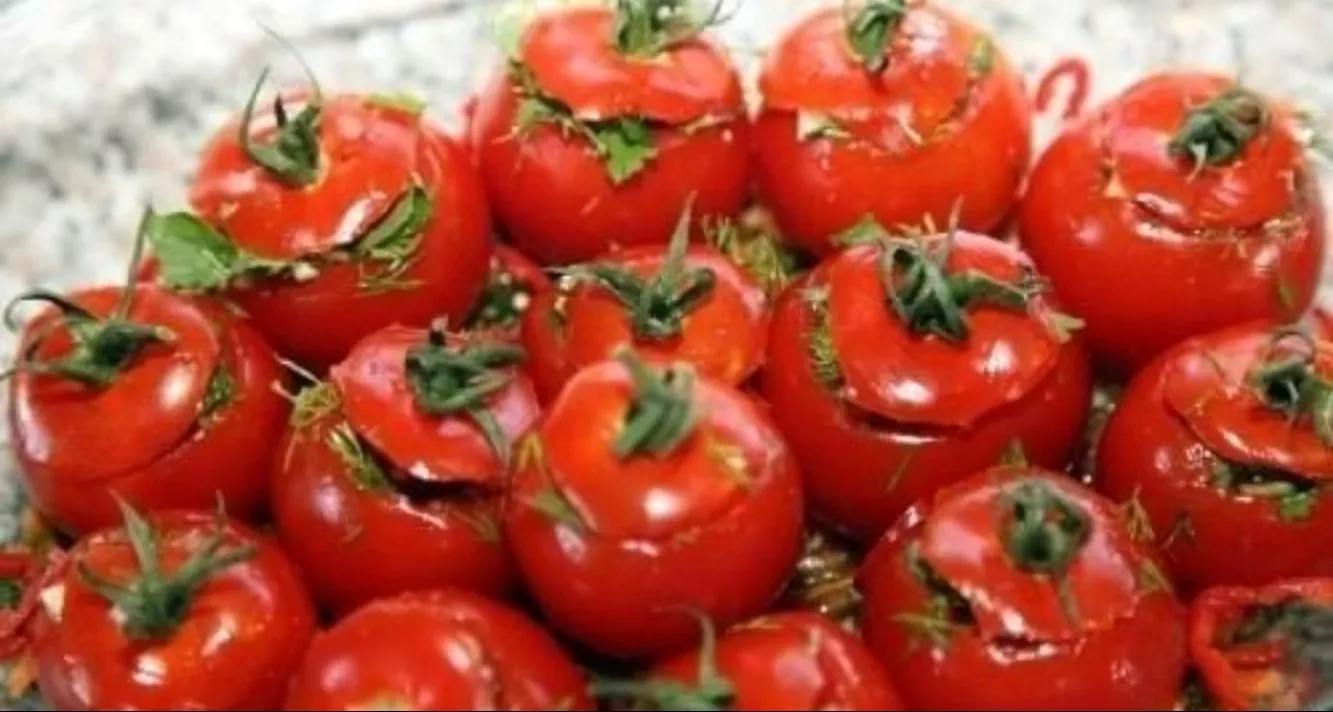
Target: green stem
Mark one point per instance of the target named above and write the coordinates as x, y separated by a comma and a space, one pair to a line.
871, 29
646, 28
293, 154
1046, 531
1217, 132
662, 414
1287, 382
712, 692
155, 603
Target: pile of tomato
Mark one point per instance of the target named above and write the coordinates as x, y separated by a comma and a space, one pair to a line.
641, 396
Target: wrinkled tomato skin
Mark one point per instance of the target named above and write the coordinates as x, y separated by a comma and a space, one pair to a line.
354, 545
246, 631
227, 457
437, 650
1136, 662
848, 464
792, 661
558, 204
1170, 284
316, 322
1147, 451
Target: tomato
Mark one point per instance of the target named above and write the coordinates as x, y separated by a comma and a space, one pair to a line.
182, 610
886, 395
1184, 205
671, 303
1223, 466
437, 650
647, 493
514, 283
1022, 589
163, 400
393, 474
1261, 648
893, 112
786, 661
604, 123
330, 218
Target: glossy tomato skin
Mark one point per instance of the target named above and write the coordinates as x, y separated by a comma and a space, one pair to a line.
618, 571
437, 650
1125, 651
582, 323
862, 470
373, 153
1187, 255
819, 186
1152, 455
550, 190
792, 661
244, 635
177, 457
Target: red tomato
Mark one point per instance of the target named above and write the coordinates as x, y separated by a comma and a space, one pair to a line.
392, 475
786, 661
883, 408
1218, 466
671, 303
587, 145
643, 495
1021, 589
1263, 648
165, 401
935, 116
1149, 242
437, 650
514, 283
383, 222
180, 611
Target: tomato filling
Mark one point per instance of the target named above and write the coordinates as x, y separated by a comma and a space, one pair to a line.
1275, 651
507, 294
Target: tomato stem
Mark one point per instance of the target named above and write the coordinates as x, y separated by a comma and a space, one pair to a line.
710, 692
871, 29
661, 415
155, 603
1286, 381
1217, 132
646, 28
293, 155
1046, 531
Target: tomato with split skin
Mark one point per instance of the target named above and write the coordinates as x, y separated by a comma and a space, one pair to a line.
1022, 589
437, 650
178, 610
1188, 196
328, 218
603, 124
918, 120
676, 303
393, 474
139, 393
1222, 468
886, 395
647, 493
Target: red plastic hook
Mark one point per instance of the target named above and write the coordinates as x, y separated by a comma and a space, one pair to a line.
1079, 76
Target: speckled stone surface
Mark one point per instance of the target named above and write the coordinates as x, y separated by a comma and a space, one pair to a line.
105, 104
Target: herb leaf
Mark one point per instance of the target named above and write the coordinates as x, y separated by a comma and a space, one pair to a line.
193, 256
393, 241
626, 146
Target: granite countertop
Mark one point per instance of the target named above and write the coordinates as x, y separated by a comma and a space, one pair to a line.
105, 109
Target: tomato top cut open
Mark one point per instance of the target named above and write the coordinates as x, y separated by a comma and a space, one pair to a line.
573, 58
87, 433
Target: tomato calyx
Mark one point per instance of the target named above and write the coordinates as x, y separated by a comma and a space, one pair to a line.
1290, 384
711, 691
1217, 132
1044, 535
155, 603
661, 414
293, 154
646, 28
448, 380
196, 257
871, 29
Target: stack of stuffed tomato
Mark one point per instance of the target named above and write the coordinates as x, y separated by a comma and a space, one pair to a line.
643, 396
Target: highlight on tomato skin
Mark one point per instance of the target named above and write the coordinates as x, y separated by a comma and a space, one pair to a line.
904, 363
162, 400
648, 492
1222, 466
1052, 604
907, 95
1260, 648
1198, 214
392, 475
587, 145
437, 649
153, 594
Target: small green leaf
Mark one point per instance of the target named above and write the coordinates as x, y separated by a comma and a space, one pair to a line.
483, 523
221, 391
981, 59
313, 404
391, 244
11, 592
557, 509
405, 102
191, 254
812, 126
866, 231
626, 147
1063, 326
823, 354
361, 465
1298, 505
